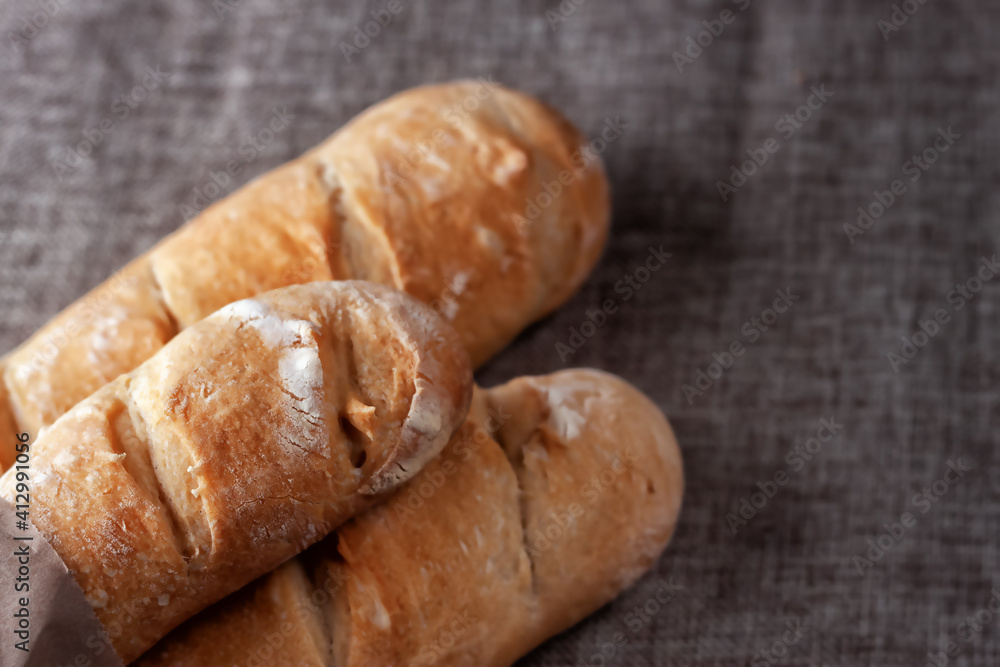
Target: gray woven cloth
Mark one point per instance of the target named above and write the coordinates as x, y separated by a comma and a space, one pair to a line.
834, 99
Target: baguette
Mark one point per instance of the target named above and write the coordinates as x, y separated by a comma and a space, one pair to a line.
557, 493
470, 197
244, 440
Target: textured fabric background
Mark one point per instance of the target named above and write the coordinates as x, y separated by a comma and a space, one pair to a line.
826, 357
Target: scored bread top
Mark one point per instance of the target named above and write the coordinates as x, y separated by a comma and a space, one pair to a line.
452, 193
525, 539
475, 199
556, 494
244, 440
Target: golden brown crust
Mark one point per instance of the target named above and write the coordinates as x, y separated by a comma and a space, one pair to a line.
420, 176
272, 233
416, 567
111, 330
615, 504
470, 197
274, 625
247, 438
557, 493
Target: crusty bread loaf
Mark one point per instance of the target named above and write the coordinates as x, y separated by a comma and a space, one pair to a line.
244, 440
557, 493
471, 197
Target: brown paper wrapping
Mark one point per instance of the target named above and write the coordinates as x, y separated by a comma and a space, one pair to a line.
63, 629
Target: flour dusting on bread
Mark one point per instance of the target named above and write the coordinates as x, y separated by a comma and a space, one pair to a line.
566, 411
276, 331
301, 376
300, 370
